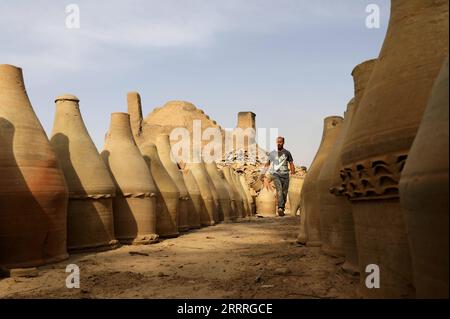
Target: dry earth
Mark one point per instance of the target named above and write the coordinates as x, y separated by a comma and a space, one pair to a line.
255, 258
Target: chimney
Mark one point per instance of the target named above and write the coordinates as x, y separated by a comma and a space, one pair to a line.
246, 120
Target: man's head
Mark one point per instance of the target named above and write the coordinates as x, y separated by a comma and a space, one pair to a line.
280, 142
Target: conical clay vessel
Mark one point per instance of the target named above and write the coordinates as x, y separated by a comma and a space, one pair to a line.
361, 75
424, 196
382, 131
209, 213
162, 142
310, 190
135, 202
90, 221
218, 214
239, 203
229, 189
240, 189
295, 189
168, 196
196, 199
223, 194
247, 194
33, 192
333, 208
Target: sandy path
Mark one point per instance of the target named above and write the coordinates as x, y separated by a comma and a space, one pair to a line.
249, 259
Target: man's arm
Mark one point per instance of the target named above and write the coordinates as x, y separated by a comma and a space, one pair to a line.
265, 168
291, 164
292, 167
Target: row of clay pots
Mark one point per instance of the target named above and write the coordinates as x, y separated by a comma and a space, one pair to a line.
62, 195
390, 159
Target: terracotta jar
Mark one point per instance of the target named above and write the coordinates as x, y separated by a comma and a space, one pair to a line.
382, 131
302, 237
339, 207
90, 222
209, 214
196, 199
247, 194
310, 190
135, 202
233, 212
223, 194
33, 192
424, 196
239, 203
162, 142
218, 214
266, 202
332, 208
295, 189
168, 196
240, 189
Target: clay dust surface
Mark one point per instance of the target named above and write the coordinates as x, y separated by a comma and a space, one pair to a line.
256, 258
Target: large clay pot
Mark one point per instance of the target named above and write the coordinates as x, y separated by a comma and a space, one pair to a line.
209, 212
310, 190
382, 131
266, 202
361, 75
247, 194
196, 199
33, 192
240, 189
424, 196
295, 189
90, 222
135, 202
218, 214
223, 194
239, 203
302, 237
162, 142
332, 208
231, 193
168, 195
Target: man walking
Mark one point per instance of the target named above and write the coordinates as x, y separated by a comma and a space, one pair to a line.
280, 162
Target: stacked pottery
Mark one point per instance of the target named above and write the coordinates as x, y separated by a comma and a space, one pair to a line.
90, 222
209, 214
247, 194
33, 192
295, 189
135, 202
168, 196
222, 191
382, 131
424, 196
310, 190
266, 202
196, 199
162, 143
239, 204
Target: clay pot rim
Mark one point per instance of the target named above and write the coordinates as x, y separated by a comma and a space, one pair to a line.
67, 97
362, 65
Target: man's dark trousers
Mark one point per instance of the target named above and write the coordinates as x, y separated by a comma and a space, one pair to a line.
282, 186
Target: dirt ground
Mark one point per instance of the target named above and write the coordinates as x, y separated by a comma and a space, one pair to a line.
255, 258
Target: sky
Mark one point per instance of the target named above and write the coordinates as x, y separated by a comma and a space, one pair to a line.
288, 61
